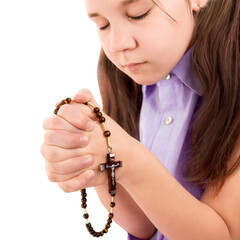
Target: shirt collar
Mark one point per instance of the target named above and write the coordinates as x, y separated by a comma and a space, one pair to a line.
183, 70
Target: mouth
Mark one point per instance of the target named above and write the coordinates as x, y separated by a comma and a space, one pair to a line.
134, 67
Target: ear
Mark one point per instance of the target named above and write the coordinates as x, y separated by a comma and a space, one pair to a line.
197, 5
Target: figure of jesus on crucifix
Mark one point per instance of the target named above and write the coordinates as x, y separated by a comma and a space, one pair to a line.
111, 165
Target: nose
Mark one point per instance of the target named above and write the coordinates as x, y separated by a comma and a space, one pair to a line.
121, 39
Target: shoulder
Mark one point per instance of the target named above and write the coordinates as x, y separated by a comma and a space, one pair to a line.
227, 202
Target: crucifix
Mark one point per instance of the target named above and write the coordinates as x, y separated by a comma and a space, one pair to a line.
111, 165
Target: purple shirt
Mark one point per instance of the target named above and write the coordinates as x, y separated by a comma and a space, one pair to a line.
167, 110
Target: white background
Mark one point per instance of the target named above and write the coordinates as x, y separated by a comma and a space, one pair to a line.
48, 51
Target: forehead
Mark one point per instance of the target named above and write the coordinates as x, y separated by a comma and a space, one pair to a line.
116, 3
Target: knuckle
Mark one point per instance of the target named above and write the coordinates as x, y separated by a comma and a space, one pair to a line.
66, 187
64, 110
53, 122
50, 154
52, 177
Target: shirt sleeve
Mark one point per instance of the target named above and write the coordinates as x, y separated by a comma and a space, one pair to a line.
130, 237
156, 236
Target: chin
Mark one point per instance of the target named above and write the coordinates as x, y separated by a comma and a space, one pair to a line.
144, 81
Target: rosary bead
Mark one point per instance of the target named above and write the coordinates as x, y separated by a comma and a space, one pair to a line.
112, 204
83, 190
58, 106
64, 101
88, 225
110, 215
84, 205
96, 110
105, 230
86, 216
102, 119
56, 111
90, 229
99, 115
107, 133
84, 200
109, 220
69, 100
107, 226
101, 233
84, 195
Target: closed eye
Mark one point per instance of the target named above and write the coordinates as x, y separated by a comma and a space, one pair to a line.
130, 17
141, 16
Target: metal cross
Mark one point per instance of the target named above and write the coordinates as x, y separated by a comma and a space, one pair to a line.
111, 165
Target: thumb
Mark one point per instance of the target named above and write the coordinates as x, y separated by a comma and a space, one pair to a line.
84, 95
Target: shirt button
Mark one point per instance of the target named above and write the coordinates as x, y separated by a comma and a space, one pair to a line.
167, 77
168, 120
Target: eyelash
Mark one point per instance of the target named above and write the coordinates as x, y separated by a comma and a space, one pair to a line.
133, 18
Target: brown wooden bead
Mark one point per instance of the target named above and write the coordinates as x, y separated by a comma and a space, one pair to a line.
107, 133
98, 234
84, 195
83, 190
99, 115
64, 101
110, 215
102, 120
101, 233
59, 105
96, 110
69, 100
112, 204
56, 111
86, 215
109, 220
107, 226
90, 229
84, 205
84, 200
88, 225
105, 230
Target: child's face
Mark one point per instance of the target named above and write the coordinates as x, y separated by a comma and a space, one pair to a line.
142, 33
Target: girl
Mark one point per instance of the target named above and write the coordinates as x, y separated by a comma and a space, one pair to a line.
169, 77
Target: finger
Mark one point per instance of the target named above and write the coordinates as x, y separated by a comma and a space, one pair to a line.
65, 139
84, 95
71, 165
79, 116
57, 154
56, 177
77, 183
57, 123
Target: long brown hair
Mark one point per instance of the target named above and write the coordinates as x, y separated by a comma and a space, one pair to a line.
216, 64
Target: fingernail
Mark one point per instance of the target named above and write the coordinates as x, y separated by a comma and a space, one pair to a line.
87, 162
90, 125
83, 140
90, 175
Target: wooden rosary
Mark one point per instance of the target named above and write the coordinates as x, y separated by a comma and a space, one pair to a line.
110, 166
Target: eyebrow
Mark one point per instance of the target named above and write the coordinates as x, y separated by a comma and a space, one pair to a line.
128, 2
124, 4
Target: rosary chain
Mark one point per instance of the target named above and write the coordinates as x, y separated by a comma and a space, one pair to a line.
107, 134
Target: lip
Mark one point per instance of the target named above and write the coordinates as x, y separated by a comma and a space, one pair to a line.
133, 67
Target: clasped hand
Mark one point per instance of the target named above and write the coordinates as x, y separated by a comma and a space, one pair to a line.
74, 145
